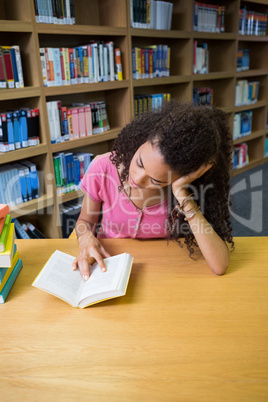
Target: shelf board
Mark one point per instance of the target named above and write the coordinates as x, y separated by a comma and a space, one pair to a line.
256, 105
226, 109
81, 142
81, 88
249, 137
252, 38
24, 153
15, 26
57, 29
251, 73
69, 196
27, 92
173, 79
250, 165
219, 75
30, 207
214, 35
159, 33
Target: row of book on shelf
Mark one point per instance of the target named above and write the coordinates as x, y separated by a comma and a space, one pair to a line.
69, 212
19, 182
147, 103
201, 58
246, 92
252, 22
209, 17
11, 74
77, 121
151, 14
10, 263
19, 129
151, 61
243, 60
55, 11
242, 124
240, 155
93, 62
70, 169
203, 96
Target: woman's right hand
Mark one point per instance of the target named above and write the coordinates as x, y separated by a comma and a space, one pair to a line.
90, 249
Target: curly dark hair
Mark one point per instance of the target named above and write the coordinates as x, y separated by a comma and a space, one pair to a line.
187, 136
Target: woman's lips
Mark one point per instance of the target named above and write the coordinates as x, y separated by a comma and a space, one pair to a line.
132, 183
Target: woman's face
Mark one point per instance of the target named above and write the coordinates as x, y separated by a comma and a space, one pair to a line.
148, 169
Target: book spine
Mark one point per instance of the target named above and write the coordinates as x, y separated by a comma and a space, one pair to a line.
8, 66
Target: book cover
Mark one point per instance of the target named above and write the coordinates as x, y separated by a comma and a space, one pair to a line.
4, 210
58, 278
6, 256
9, 271
10, 282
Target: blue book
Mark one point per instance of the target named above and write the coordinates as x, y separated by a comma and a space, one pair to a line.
10, 282
15, 69
10, 132
23, 128
16, 129
33, 177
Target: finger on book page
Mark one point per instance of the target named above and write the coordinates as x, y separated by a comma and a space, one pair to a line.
83, 265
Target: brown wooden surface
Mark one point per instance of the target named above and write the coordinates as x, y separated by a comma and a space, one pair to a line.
181, 333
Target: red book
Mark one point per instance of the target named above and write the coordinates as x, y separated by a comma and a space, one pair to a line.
4, 210
8, 66
3, 78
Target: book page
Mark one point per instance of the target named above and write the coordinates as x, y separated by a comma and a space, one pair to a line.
100, 282
58, 278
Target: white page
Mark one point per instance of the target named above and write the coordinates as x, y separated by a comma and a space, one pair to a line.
100, 282
58, 278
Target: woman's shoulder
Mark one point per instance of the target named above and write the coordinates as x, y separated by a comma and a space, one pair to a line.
102, 162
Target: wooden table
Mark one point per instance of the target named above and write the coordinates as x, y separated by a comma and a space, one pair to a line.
180, 334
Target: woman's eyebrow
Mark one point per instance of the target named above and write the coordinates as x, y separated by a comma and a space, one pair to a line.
158, 181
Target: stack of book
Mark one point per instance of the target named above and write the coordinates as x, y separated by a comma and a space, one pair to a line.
203, 96
242, 124
151, 14
243, 60
94, 62
252, 22
151, 61
19, 182
76, 121
10, 263
246, 92
11, 75
201, 58
55, 12
147, 103
209, 18
70, 169
19, 129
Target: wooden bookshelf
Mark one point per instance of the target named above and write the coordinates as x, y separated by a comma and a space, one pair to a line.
110, 19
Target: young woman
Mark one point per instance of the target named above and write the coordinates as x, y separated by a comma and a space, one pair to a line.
166, 177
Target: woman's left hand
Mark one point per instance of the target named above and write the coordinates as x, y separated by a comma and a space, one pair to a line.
180, 185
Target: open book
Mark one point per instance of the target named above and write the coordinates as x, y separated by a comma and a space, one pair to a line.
58, 278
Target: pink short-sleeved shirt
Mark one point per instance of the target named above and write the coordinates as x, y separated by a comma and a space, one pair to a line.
120, 217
